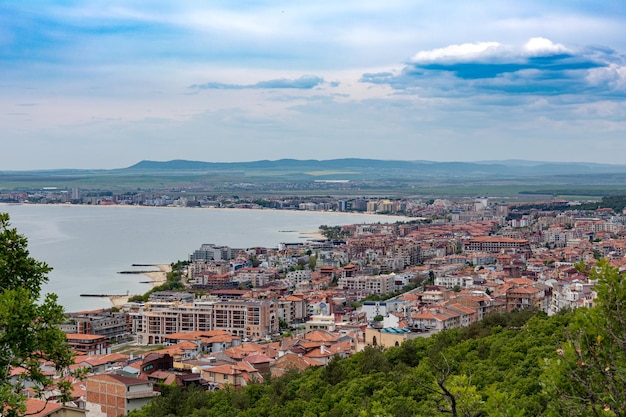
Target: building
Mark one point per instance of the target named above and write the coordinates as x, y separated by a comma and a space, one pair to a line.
42, 408
451, 281
495, 244
387, 337
210, 252
320, 322
177, 296
98, 322
379, 284
89, 344
246, 318
529, 296
236, 375
117, 395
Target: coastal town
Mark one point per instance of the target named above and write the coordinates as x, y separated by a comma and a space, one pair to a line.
230, 317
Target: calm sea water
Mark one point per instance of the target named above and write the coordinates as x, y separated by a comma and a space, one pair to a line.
88, 245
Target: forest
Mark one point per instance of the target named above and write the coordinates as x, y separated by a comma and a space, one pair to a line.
514, 364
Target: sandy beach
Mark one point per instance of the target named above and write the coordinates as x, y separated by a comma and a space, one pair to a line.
311, 235
156, 278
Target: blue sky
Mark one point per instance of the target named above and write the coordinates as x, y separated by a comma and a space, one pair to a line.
105, 84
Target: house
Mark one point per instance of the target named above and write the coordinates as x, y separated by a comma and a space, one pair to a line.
292, 361
387, 337
116, 395
97, 364
41, 408
236, 375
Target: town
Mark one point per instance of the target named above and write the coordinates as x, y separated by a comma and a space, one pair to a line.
230, 317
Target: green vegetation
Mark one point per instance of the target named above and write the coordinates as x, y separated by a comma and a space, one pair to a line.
492, 368
616, 202
588, 375
334, 232
28, 326
172, 283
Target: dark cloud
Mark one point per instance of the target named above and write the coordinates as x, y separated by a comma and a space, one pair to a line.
306, 82
540, 67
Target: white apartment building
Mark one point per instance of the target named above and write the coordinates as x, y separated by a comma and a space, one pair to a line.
253, 319
378, 284
451, 281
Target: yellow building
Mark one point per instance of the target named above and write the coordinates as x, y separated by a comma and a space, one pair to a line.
388, 337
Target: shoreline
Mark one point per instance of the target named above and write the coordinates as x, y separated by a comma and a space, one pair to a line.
311, 235
156, 278
396, 217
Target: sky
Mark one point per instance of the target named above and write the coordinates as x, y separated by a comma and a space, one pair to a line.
92, 84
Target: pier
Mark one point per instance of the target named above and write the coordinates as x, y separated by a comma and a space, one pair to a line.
103, 295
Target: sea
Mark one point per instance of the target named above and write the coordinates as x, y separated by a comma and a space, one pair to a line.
87, 246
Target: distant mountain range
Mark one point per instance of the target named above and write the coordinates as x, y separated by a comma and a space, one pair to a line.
354, 167
284, 175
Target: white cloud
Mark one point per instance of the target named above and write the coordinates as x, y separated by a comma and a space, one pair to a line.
542, 46
462, 52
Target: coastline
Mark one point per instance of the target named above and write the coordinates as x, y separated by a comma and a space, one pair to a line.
396, 217
156, 278
311, 235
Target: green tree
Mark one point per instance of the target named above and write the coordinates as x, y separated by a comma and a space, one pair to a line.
312, 262
588, 372
29, 332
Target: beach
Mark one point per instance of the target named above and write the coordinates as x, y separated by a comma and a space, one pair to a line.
156, 278
311, 235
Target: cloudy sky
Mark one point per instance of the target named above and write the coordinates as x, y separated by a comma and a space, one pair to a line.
105, 84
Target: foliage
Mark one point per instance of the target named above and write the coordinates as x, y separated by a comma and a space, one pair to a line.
492, 368
588, 371
173, 282
334, 232
29, 332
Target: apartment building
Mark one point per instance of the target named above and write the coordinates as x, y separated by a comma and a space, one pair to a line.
211, 252
298, 276
494, 244
88, 344
98, 322
379, 284
529, 296
292, 309
451, 281
258, 277
247, 318
212, 267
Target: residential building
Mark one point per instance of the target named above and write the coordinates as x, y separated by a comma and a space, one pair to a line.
115, 395
249, 318
112, 325
387, 337
210, 252
494, 244
378, 284
41, 408
88, 344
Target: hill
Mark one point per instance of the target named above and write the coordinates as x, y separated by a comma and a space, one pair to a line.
492, 368
382, 168
362, 176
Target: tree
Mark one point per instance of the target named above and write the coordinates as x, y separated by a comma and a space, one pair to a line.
312, 262
588, 372
29, 332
